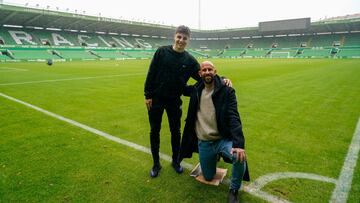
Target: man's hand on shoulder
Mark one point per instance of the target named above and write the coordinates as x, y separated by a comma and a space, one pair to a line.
227, 82
148, 103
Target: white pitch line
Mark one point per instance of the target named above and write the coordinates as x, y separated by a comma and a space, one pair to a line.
105, 135
69, 79
253, 188
6, 69
263, 180
264, 195
95, 131
87, 128
343, 184
18, 69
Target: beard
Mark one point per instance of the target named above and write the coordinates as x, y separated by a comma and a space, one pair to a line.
208, 79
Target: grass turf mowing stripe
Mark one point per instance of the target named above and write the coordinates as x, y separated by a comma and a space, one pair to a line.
343, 185
252, 190
95, 131
70, 79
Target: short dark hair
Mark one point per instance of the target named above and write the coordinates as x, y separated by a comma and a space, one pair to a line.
183, 30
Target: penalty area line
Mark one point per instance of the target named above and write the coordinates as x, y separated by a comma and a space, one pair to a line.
95, 131
69, 79
343, 185
250, 189
7, 69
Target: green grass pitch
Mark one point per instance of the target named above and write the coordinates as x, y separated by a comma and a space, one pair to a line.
299, 115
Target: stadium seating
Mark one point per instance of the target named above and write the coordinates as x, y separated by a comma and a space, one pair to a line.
32, 54
110, 54
352, 39
3, 57
138, 54
28, 44
351, 52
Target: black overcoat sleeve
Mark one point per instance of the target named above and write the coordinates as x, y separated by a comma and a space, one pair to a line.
234, 121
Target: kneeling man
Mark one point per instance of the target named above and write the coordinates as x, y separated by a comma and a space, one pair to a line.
213, 128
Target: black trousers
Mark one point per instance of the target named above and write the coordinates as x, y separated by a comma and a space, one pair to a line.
173, 111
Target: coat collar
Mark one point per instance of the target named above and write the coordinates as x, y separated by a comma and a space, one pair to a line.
219, 83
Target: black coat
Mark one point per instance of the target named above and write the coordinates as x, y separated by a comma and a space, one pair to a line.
227, 118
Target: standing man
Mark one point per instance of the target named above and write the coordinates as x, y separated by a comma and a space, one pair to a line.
170, 69
213, 128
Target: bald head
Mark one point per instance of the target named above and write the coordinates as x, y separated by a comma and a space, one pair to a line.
207, 72
207, 63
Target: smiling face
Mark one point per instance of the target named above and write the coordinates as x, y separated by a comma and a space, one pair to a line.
180, 41
207, 72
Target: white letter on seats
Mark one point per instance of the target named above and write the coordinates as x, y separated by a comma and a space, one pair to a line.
105, 42
142, 43
81, 39
58, 39
25, 36
123, 42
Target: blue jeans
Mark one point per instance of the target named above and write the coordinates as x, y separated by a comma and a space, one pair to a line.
208, 151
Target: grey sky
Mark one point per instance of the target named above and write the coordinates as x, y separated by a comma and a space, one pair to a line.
215, 14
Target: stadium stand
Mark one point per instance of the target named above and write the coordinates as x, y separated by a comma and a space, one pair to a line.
34, 34
110, 54
352, 52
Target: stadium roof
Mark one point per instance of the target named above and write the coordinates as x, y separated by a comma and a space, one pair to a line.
32, 17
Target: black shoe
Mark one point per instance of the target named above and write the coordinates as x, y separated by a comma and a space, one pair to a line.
177, 167
155, 171
233, 196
